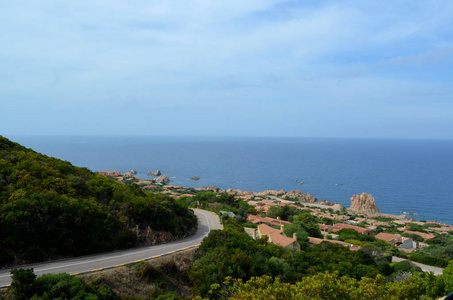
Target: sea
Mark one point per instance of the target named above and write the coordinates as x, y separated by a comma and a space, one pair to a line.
404, 176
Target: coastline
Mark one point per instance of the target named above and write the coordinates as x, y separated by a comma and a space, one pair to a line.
280, 196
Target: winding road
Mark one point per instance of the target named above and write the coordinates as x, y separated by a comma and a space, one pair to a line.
206, 222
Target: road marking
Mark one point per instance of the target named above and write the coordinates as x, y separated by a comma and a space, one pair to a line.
121, 265
95, 270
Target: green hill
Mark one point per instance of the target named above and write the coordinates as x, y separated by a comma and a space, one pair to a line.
50, 208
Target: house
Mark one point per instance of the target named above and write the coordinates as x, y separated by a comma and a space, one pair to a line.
316, 241
425, 236
408, 244
267, 220
390, 238
277, 236
361, 230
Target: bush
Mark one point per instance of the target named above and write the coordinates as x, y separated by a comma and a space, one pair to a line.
428, 259
23, 285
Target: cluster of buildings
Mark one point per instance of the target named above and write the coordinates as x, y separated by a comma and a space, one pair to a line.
267, 228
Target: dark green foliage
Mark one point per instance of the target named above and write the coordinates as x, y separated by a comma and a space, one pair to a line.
298, 228
50, 208
231, 252
334, 257
428, 259
23, 283
283, 212
415, 227
413, 236
351, 234
309, 223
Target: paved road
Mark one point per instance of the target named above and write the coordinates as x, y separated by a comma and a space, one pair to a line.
206, 221
425, 268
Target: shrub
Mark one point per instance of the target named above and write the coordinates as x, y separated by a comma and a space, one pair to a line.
428, 259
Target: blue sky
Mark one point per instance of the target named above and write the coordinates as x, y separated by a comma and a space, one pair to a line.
380, 69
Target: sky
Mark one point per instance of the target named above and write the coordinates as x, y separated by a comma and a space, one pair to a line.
374, 69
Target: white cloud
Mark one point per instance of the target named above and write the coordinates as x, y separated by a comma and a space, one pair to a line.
239, 54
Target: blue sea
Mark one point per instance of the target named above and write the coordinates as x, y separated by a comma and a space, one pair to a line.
402, 175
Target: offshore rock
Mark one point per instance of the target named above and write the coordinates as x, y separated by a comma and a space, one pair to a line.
162, 179
364, 203
195, 178
155, 173
133, 171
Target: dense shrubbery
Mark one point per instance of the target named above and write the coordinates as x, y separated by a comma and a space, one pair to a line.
26, 285
428, 259
49, 208
232, 252
230, 264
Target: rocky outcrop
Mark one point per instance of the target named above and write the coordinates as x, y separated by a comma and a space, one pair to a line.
212, 188
155, 173
328, 203
309, 198
133, 171
162, 179
110, 173
195, 177
364, 203
238, 192
271, 193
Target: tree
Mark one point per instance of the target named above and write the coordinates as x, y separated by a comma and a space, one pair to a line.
23, 283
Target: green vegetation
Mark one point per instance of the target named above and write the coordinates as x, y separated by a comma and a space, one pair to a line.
26, 285
49, 208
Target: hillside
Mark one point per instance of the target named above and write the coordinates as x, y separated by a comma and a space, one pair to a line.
51, 209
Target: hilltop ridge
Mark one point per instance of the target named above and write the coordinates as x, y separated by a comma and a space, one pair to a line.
51, 209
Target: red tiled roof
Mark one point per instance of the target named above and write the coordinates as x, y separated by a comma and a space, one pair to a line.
426, 236
267, 230
388, 237
268, 220
318, 241
281, 240
359, 229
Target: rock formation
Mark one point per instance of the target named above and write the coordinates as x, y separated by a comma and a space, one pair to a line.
309, 198
110, 173
162, 179
364, 203
195, 178
128, 174
212, 188
271, 193
155, 173
133, 171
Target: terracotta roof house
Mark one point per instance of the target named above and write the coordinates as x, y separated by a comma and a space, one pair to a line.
339, 226
388, 237
425, 236
325, 228
276, 236
442, 229
317, 241
267, 220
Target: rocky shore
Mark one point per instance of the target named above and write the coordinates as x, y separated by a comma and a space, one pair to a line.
363, 204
